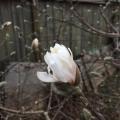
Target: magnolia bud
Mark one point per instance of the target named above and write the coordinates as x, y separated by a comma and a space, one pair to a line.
108, 58
96, 74
2, 84
87, 114
35, 44
6, 24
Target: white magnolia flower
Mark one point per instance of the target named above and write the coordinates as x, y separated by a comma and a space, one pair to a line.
61, 66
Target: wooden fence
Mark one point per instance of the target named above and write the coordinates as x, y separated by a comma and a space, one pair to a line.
27, 24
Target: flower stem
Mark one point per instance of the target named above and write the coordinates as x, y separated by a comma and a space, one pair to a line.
89, 107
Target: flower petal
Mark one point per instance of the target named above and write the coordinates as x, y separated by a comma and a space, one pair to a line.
66, 56
67, 59
55, 66
55, 48
68, 73
45, 77
61, 69
47, 58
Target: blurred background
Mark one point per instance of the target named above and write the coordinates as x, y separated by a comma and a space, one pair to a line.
90, 28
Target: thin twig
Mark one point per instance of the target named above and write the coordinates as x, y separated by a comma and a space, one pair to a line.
89, 107
50, 99
23, 113
60, 107
3, 73
46, 116
66, 115
106, 19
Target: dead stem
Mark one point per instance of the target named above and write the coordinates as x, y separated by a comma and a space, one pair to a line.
89, 107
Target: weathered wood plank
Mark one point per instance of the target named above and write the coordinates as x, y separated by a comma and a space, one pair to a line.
43, 29
58, 13
28, 28
76, 33
66, 29
88, 16
18, 21
4, 41
96, 13
50, 33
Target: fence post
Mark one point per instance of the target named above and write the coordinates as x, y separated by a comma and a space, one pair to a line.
36, 25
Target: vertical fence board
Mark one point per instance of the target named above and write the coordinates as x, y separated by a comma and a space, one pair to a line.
88, 16
4, 45
57, 24
16, 37
76, 33
28, 28
12, 42
49, 23
96, 22
20, 23
66, 29
19, 35
42, 28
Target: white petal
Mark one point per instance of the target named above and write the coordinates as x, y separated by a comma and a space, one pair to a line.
66, 57
55, 48
55, 67
45, 77
51, 49
67, 72
47, 58
66, 52
58, 46
61, 69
